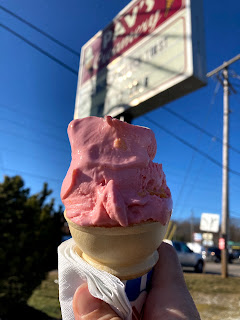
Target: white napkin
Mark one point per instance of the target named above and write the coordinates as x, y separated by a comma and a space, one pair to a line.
73, 271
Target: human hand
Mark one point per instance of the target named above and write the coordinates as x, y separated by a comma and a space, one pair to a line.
168, 299
86, 307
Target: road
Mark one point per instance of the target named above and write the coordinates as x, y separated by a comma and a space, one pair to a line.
215, 268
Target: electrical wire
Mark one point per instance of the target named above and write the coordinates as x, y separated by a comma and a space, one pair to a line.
203, 161
194, 151
33, 175
40, 31
187, 173
32, 156
27, 127
234, 212
40, 49
204, 154
43, 121
209, 188
194, 183
35, 141
213, 209
234, 74
199, 128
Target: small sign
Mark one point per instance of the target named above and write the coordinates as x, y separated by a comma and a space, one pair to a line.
221, 243
210, 222
208, 243
207, 236
197, 237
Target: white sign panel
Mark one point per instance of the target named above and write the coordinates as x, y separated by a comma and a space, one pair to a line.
210, 222
207, 236
197, 237
208, 243
151, 53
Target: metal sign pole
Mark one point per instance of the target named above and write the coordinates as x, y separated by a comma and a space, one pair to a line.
225, 206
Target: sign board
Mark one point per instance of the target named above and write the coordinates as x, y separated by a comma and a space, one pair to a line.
151, 53
221, 243
207, 236
210, 222
208, 243
197, 237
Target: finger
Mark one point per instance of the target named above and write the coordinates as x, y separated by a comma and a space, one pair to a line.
168, 270
86, 307
169, 297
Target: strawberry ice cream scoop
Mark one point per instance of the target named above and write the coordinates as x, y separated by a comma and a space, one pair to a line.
112, 180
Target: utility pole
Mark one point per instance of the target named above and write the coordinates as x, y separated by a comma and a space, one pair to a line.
225, 155
225, 181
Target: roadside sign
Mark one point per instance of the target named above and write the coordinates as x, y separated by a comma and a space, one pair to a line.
197, 237
207, 236
209, 222
208, 243
151, 53
221, 243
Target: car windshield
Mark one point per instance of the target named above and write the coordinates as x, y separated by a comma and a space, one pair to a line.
177, 246
185, 248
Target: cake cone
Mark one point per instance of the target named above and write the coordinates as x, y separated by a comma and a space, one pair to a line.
125, 252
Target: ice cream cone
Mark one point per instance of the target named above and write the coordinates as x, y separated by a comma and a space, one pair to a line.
126, 252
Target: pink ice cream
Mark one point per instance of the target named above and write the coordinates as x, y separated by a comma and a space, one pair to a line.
112, 180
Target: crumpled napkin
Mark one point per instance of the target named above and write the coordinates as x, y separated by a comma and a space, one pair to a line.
73, 271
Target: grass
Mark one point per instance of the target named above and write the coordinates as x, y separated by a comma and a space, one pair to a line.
215, 298
212, 284
45, 297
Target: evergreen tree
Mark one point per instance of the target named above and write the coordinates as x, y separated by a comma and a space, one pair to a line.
30, 231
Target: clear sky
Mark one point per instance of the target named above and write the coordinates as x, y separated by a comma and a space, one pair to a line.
38, 95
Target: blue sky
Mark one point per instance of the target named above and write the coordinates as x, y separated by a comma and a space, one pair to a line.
38, 96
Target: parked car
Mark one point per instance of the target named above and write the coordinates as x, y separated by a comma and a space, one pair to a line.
214, 254
197, 248
187, 257
236, 254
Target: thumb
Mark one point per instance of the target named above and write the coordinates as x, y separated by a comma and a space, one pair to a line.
86, 307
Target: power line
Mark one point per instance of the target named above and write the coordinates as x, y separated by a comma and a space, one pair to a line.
193, 205
234, 213
198, 128
26, 138
33, 128
31, 156
43, 121
40, 31
33, 175
40, 49
187, 173
195, 182
234, 74
204, 154
210, 182
203, 180
193, 155
210, 189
